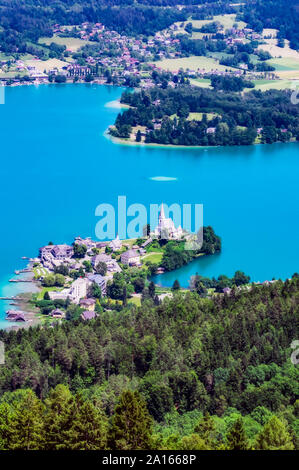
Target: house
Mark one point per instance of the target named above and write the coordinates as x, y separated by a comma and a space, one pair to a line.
211, 130
100, 281
131, 258
101, 258
57, 313
88, 242
116, 244
15, 315
87, 315
53, 255
62, 251
112, 265
88, 304
78, 289
227, 290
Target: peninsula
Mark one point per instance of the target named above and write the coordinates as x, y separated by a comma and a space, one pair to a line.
185, 115
82, 279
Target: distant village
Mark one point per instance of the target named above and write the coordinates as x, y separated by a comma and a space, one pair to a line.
119, 59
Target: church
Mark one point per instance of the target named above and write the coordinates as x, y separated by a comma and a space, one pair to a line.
166, 228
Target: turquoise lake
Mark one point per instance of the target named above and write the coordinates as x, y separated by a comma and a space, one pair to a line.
57, 166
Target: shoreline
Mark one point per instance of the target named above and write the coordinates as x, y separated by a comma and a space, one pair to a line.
116, 104
21, 301
119, 141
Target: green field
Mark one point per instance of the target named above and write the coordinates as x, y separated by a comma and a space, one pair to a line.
155, 258
227, 21
284, 64
198, 116
40, 271
265, 85
202, 82
135, 301
191, 63
73, 44
41, 294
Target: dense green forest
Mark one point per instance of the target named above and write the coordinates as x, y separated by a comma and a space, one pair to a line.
225, 356
235, 119
279, 14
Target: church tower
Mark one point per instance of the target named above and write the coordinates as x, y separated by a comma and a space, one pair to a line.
162, 213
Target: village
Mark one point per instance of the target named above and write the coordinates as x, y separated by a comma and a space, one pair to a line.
93, 53
85, 269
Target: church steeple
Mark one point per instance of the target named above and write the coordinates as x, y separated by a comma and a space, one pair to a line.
162, 214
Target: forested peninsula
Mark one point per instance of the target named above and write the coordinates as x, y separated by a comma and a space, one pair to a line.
191, 116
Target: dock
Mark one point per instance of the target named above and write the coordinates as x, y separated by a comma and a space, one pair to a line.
15, 299
20, 271
20, 280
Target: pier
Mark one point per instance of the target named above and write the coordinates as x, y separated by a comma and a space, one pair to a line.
20, 280
15, 299
20, 271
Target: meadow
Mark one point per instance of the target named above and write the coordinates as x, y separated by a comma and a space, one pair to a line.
72, 44
191, 63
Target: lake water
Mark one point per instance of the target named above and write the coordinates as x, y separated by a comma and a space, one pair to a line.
57, 166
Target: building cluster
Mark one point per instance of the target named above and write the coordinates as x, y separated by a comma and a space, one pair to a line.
97, 254
114, 57
104, 260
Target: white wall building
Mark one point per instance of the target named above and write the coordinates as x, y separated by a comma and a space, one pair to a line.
166, 228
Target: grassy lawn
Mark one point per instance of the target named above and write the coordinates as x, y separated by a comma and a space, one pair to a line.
286, 68
152, 257
227, 21
265, 85
72, 44
47, 65
191, 63
47, 289
198, 116
135, 301
284, 63
202, 82
5, 57
40, 271
130, 242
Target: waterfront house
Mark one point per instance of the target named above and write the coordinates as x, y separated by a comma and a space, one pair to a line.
54, 255
15, 315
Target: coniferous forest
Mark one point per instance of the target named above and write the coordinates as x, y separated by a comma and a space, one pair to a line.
190, 373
